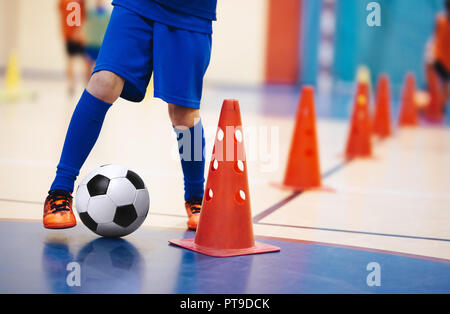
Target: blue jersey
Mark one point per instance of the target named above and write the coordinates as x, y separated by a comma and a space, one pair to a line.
194, 15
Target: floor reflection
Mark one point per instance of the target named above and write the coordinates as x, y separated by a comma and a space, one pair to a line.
106, 266
199, 273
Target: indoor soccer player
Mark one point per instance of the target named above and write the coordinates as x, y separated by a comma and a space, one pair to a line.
97, 19
72, 31
172, 40
442, 50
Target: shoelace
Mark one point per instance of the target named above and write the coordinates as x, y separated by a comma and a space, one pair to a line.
195, 208
62, 205
195, 204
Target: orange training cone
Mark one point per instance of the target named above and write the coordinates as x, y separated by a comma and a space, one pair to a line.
225, 227
434, 111
408, 110
303, 167
12, 91
359, 142
382, 120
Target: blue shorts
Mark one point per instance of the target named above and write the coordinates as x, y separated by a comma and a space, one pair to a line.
134, 47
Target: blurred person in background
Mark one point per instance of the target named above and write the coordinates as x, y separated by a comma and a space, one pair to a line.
97, 19
72, 31
438, 51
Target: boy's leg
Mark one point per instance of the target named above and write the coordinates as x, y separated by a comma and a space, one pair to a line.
124, 67
181, 58
443, 79
70, 75
103, 89
446, 95
191, 144
446, 91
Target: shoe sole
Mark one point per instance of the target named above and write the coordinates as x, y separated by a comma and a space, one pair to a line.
192, 227
59, 226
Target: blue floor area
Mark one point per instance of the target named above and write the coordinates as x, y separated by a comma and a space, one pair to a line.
35, 260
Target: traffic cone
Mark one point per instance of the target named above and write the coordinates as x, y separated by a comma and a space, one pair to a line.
363, 76
303, 167
382, 120
359, 142
12, 91
408, 110
434, 110
225, 227
12, 81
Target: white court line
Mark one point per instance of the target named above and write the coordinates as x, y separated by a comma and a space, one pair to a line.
53, 164
27, 162
400, 193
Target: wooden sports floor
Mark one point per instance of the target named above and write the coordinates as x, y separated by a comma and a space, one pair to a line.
392, 210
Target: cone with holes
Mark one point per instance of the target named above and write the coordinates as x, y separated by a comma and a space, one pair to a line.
382, 120
303, 167
359, 142
434, 111
225, 227
408, 112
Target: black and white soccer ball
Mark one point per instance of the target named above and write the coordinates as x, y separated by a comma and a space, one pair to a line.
112, 201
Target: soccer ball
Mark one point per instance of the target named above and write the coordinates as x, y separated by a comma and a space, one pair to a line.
112, 201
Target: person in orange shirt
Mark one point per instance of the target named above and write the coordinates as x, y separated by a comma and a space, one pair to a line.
441, 51
72, 13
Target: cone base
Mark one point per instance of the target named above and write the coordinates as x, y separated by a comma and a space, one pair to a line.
258, 248
286, 187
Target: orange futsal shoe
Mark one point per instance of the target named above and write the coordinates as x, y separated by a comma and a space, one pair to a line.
193, 208
58, 211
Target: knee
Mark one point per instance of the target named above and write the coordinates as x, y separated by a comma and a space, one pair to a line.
106, 86
183, 116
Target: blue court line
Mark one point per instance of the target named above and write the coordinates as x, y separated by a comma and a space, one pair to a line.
357, 232
294, 195
335, 169
275, 207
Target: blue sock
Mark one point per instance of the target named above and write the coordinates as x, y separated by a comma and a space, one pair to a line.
191, 145
83, 132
